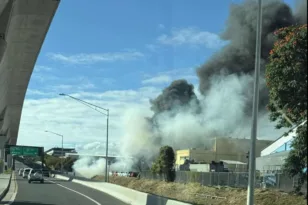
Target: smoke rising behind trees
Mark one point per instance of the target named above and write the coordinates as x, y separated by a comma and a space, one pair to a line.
238, 56
181, 119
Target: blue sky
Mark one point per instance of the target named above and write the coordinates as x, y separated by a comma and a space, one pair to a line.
116, 54
132, 28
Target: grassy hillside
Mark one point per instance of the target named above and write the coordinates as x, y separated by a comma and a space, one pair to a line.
202, 195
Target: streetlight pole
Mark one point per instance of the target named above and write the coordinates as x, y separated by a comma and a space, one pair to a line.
62, 148
252, 153
95, 107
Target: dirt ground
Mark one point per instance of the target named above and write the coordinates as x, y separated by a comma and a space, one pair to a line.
201, 195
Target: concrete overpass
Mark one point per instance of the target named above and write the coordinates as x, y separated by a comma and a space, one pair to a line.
96, 156
23, 27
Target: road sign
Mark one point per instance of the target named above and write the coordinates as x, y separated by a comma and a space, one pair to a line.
30, 151
23, 150
16, 150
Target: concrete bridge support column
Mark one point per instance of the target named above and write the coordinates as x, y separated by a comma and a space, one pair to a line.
9, 160
2, 156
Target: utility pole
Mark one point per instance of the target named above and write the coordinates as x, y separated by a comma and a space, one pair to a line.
107, 161
254, 128
61, 149
95, 107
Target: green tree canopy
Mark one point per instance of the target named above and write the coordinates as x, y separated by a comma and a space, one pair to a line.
164, 164
286, 76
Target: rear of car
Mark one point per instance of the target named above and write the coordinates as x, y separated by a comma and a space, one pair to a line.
36, 175
25, 172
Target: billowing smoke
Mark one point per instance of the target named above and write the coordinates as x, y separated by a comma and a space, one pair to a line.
175, 96
89, 167
183, 120
301, 11
238, 57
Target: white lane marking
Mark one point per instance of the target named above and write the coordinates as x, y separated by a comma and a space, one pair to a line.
76, 192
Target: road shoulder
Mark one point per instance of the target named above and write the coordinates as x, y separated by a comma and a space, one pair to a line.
11, 194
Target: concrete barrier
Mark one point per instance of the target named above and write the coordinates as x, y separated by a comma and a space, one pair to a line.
129, 196
5, 182
173, 202
61, 177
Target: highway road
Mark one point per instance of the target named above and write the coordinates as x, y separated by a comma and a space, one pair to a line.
58, 192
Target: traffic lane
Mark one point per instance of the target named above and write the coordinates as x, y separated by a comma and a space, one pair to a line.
58, 192
101, 197
19, 165
47, 193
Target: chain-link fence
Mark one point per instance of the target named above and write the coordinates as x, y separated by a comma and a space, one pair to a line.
231, 179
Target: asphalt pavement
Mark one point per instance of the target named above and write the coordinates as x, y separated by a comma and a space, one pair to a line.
58, 192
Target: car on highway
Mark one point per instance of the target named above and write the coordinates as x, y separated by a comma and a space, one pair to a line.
25, 172
35, 175
20, 171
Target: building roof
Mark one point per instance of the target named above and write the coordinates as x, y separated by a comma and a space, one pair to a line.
233, 162
59, 148
281, 140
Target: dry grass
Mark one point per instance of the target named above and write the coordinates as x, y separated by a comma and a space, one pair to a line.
201, 195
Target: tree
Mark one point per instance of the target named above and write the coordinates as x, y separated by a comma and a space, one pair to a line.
52, 162
164, 164
286, 79
286, 76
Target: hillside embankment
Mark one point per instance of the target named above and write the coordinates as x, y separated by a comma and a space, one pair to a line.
201, 195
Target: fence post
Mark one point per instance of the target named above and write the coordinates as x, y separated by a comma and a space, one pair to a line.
211, 178
228, 184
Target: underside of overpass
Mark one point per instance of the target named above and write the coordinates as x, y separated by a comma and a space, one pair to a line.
23, 27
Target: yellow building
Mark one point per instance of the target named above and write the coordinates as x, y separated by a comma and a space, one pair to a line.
221, 149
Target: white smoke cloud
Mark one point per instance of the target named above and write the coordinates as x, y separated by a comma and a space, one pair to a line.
89, 167
223, 115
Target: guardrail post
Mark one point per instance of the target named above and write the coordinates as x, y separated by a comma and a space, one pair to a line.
13, 165
5, 161
211, 178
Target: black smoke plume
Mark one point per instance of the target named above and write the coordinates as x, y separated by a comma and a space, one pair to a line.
226, 82
179, 93
238, 57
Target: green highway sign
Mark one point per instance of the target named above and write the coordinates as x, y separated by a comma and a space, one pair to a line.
16, 150
23, 150
30, 151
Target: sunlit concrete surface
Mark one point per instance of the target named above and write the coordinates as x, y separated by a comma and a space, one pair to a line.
23, 27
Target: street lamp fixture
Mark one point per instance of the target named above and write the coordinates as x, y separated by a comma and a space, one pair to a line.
106, 113
62, 148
